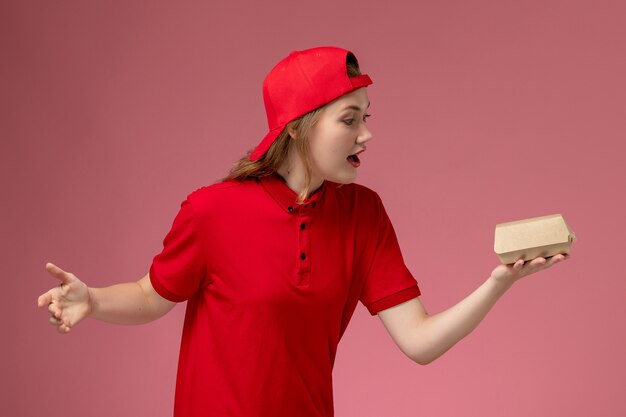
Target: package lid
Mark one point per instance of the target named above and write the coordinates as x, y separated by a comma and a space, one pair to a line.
532, 233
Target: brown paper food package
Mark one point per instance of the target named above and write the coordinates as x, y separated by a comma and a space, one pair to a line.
530, 238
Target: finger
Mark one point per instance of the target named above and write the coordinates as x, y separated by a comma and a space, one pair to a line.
518, 265
63, 329
53, 295
54, 321
556, 259
54, 311
44, 299
58, 273
537, 262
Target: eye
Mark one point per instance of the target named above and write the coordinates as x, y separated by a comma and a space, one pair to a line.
365, 117
348, 121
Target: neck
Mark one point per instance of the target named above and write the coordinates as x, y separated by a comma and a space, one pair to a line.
293, 172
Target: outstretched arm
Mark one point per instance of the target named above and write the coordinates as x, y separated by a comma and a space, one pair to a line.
424, 338
127, 303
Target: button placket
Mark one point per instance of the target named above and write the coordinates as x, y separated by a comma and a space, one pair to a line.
304, 239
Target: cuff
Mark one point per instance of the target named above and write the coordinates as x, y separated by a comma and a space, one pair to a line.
393, 299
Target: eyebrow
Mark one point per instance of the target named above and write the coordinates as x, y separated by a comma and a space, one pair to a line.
353, 107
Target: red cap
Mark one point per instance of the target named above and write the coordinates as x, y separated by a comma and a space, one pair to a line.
301, 83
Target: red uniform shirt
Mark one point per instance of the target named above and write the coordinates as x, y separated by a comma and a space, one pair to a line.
271, 286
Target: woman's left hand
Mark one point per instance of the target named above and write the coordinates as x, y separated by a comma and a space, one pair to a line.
508, 274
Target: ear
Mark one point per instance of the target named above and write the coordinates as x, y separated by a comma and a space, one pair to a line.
292, 132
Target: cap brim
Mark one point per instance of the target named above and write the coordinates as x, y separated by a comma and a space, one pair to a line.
360, 81
265, 144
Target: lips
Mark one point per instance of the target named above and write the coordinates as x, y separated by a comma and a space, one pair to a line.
354, 159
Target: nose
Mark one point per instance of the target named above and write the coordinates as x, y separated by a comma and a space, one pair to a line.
365, 135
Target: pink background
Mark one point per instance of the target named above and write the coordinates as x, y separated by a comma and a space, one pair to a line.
483, 112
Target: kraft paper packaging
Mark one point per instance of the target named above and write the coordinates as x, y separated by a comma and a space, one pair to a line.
527, 239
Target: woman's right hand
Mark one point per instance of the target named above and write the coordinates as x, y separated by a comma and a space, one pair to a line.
67, 303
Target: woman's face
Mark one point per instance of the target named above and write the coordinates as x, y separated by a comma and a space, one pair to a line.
339, 136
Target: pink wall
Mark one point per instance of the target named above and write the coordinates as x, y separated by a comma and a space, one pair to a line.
484, 111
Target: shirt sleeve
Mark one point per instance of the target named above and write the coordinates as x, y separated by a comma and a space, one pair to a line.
388, 282
176, 272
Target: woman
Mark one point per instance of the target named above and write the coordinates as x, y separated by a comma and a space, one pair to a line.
273, 260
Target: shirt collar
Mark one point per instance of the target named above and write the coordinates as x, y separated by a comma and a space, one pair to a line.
286, 198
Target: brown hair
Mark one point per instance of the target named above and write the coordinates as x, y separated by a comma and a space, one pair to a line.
245, 169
